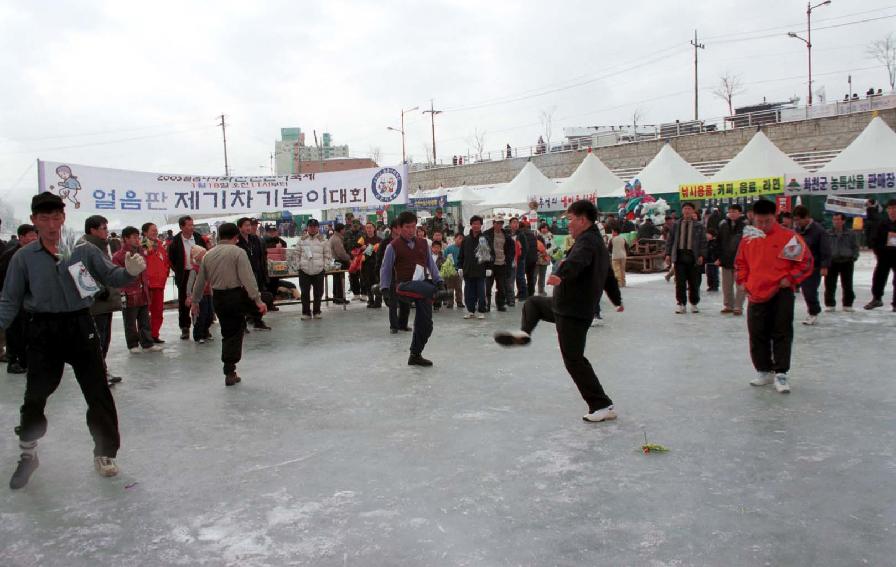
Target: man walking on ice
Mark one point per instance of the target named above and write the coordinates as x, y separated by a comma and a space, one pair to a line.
578, 282
56, 287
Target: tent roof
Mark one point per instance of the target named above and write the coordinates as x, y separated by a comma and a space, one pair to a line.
592, 176
665, 172
759, 158
527, 183
467, 194
875, 147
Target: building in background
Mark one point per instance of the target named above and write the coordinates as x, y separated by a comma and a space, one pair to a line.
292, 155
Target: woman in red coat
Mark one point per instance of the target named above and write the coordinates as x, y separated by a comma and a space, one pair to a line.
157, 269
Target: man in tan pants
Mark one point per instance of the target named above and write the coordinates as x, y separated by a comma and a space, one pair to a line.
618, 247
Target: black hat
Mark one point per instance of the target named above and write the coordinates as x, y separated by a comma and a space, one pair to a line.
46, 202
313, 222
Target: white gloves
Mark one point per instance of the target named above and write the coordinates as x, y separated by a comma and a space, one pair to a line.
134, 263
488, 273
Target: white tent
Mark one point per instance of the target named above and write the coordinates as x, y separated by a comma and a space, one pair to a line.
516, 194
467, 194
759, 158
874, 148
665, 172
592, 176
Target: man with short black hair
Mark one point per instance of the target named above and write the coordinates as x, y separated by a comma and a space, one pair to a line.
107, 300
182, 264
235, 295
578, 283
844, 253
339, 254
55, 290
399, 311
883, 242
314, 258
258, 259
686, 250
409, 259
731, 229
16, 351
817, 240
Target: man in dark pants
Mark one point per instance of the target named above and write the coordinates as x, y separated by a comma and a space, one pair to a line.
519, 275
314, 257
817, 240
532, 239
844, 253
409, 259
399, 311
686, 250
771, 261
108, 300
235, 294
475, 268
16, 351
258, 259
503, 249
56, 291
342, 258
883, 242
179, 257
578, 282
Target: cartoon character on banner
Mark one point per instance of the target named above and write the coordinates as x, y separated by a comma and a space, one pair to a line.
635, 198
68, 188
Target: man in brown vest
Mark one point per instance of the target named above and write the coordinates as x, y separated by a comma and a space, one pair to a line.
409, 259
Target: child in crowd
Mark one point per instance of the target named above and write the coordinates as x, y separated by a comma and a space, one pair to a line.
436, 248
203, 321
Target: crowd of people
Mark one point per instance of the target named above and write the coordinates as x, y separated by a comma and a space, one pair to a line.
57, 303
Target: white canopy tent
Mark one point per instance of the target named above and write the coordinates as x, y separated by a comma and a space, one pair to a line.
759, 158
874, 148
592, 176
665, 172
517, 194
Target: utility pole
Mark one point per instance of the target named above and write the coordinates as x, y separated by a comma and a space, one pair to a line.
320, 153
432, 118
696, 47
224, 133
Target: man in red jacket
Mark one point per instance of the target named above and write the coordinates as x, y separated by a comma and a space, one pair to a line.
157, 269
771, 262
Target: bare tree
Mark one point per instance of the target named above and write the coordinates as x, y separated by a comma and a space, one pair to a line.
427, 151
477, 140
729, 86
821, 94
375, 154
547, 124
884, 51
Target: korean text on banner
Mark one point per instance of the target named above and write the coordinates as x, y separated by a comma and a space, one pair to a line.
843, 183
428, 203
732, 189
849, 206
97, 189
553, 203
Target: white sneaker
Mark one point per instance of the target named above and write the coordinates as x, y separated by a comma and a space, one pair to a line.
831, 309
597, 322
512, 338
105, 466
305, 317
317, 316
153, 348
680, 309
848, 309
764, 379
480, 315
136, 350
469, 315
781, 384
606, 414
811, 320
694, 309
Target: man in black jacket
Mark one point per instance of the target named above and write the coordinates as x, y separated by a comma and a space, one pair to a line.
475, 268
883, 242
182, 264
500, 272
686, 250
844, 253
519, 274
817, 240
578, 282
532, 239
730, 232
258, 259
16, 361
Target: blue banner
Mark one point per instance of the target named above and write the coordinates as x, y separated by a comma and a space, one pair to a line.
428, 203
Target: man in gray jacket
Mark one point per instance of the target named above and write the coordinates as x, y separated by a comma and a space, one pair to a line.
686, 250
107, 300
844, 253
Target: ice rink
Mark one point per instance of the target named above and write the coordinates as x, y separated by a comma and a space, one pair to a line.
333, 452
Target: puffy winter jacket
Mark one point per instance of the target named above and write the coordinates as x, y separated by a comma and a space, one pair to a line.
314, 254
762, 262
157, 265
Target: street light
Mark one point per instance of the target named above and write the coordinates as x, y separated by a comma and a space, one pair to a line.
808, 39
401, 131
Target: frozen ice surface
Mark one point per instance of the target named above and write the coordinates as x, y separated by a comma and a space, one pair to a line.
333, 452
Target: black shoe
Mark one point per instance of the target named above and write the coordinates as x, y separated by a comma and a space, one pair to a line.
185, 334
874, 304
15, 368
406, 329
393, 331
261, 326
502, 309
274, 308
460, 306
511, 304
418, 360
512, 338
158, 341
110, 379
27, 466
231, 379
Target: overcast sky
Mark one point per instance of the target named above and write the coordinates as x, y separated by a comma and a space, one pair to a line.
138, 86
